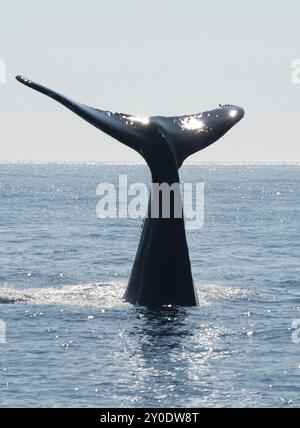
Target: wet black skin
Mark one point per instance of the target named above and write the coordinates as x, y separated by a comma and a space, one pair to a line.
161, 273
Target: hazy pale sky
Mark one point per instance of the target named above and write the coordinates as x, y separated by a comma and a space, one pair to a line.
153, 57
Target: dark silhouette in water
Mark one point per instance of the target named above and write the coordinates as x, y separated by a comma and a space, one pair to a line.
161, 273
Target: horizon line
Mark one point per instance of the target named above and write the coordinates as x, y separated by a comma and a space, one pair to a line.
103, 162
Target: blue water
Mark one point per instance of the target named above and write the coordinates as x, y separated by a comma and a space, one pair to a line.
71, 341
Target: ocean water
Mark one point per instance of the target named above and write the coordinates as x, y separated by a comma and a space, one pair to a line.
71, 340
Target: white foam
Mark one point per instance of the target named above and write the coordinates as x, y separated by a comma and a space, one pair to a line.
207, 292
103, 295
93, 295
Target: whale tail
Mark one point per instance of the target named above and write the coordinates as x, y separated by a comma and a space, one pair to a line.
161, 273
184, 134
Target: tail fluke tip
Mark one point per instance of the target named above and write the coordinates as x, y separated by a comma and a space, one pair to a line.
23, 79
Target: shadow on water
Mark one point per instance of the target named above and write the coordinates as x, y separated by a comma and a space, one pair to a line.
161, 331
167, 353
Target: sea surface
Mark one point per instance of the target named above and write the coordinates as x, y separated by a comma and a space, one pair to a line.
72, 342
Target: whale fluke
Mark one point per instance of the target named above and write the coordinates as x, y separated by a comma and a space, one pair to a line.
161, 274
186, 134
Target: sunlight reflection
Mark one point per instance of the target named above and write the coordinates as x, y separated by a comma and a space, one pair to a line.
233, 113
162, 354
192, 123
139, 119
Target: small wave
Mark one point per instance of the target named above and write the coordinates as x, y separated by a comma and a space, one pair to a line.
103, 295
